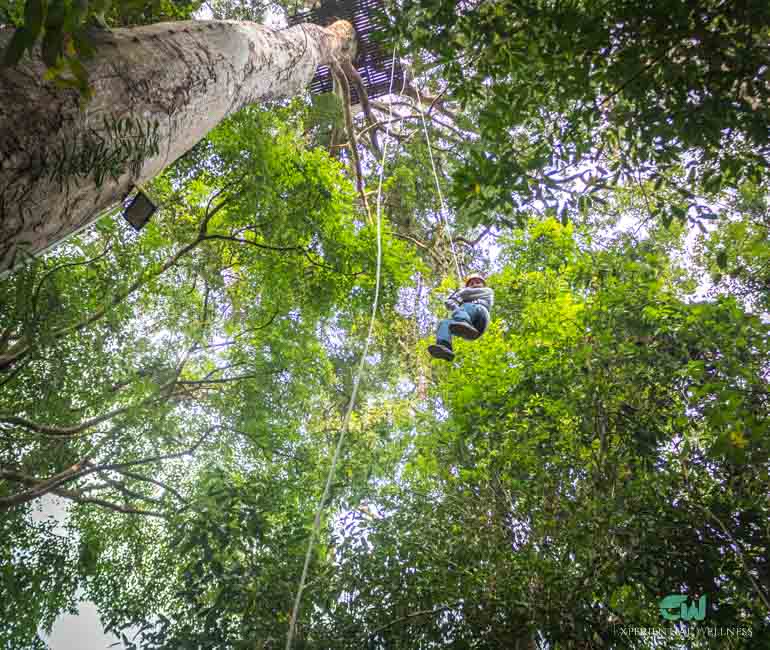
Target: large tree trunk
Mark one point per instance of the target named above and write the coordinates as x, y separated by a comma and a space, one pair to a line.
61, 165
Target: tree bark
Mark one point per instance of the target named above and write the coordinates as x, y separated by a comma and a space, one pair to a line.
158, 90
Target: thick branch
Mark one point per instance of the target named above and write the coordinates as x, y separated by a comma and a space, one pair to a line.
352, 74
60, 431
79, 470
342, 80
78, 495
474, 242
40, 487
73, 495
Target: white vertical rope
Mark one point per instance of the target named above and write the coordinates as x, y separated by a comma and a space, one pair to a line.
442, 207
356, 381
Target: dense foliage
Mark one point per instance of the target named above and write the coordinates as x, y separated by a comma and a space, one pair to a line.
599, 443
205, 335
603, 93
605, 444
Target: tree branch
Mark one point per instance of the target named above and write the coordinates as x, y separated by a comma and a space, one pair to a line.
432, 101
383, 123
127, 510
424, 612
350, 71
69, 431
23, 347
61, 431
223, 380
209, 214
474, 242
79, 470
79, 495
342, 80
416, 242
36, 291
126, 491
240, 240
154, 481
40, 487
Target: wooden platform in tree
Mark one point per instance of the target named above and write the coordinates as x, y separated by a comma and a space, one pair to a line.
372, 63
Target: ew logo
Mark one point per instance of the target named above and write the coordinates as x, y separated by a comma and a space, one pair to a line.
678, 603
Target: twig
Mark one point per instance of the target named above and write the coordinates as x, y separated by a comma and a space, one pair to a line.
46, 276
154, 481
223, 380
424, 612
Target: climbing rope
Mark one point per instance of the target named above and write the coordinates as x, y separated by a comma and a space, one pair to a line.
356, 381
442, 207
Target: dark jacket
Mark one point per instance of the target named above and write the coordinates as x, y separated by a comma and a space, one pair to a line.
483, 296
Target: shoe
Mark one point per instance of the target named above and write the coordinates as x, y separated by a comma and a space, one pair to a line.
440, 351
463, 330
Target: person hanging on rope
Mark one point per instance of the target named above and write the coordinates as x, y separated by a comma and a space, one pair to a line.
470, 308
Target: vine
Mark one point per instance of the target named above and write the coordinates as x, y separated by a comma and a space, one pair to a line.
123, 143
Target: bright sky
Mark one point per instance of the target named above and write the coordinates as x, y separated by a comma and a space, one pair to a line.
84, 631
81, 632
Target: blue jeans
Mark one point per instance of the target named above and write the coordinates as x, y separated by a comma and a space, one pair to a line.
469, 312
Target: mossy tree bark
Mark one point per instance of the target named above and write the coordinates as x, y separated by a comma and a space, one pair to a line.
158, 90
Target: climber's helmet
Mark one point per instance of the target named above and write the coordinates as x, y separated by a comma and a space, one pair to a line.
475, 280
